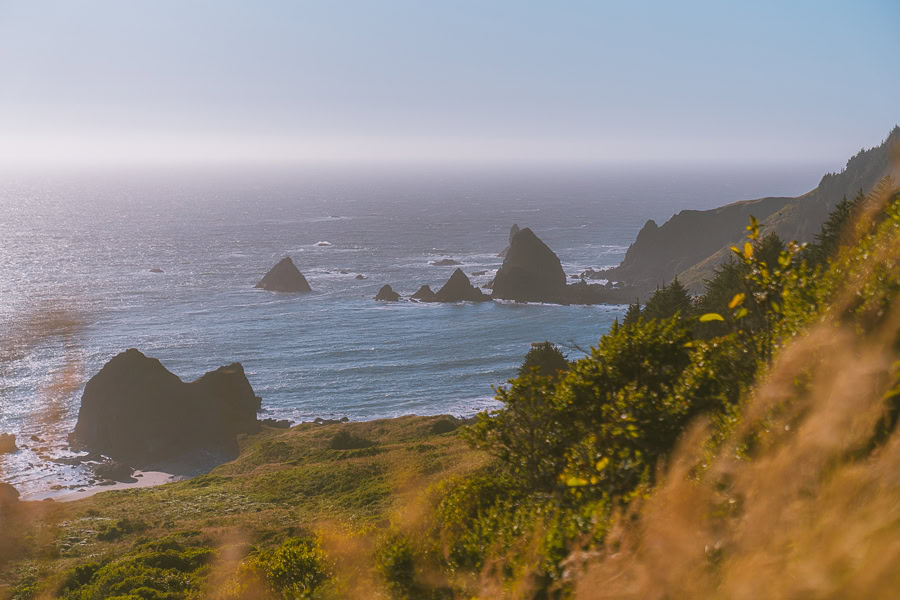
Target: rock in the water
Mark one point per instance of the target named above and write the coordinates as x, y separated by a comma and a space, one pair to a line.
156, 270
8, 443
444, 262
277, 423
114, 471
387, 294
360, 276
531, 272
512, 233
459, 289
424, 295
136, 411
8, 494
284, 277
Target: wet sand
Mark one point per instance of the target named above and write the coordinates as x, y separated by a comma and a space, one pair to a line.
142, 479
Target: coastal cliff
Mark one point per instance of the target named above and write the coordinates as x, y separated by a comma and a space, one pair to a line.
693, 243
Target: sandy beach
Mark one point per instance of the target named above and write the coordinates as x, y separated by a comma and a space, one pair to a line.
142, 479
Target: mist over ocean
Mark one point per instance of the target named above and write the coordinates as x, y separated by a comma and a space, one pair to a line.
83, 245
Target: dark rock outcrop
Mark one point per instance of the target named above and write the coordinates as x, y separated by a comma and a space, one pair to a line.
8, 495
360, 276
387, 294
156, 270
138, 412
277, 423
445, 262
459, 289
114, 471
531, 272
424, 295
284, 277
512, 233
8, 443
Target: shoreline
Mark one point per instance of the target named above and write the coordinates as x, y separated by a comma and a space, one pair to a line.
142, 479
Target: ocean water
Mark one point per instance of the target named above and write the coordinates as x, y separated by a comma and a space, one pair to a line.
75, 285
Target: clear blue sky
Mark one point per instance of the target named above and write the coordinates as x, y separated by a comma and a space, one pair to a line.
687, 80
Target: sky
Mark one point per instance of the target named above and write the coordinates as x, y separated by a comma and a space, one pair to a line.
172, 81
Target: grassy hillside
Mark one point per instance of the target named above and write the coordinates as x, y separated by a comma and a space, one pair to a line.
342, 486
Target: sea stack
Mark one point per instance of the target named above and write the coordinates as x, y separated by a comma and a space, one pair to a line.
284, 277
8, 443
424, 295
459, 289
531, 272
512, 233
136, 411
387, 294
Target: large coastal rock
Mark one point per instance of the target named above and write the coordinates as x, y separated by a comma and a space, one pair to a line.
425, 294
284, 277
8, 443
531, 272
459, 289
512, 233
138, 412
387, 294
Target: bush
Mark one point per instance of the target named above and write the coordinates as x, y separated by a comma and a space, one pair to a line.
344, 440
122, 527
297, 568
167, 569
545, 359
395, 563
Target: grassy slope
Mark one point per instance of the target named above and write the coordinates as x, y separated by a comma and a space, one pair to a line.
285, 482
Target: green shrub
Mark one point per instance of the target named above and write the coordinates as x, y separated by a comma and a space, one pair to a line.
122, 527
395, 562
546, 359
298, 568
169, 569
344, 440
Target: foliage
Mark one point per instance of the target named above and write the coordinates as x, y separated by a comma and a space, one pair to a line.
394, 560
346, 440
835, 231
546, 359
632, 314
669, 300
298, 568
169, 568
122, 527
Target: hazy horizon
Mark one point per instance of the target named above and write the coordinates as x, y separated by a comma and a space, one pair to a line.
166, 83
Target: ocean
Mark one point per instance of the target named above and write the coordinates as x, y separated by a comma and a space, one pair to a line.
76, 251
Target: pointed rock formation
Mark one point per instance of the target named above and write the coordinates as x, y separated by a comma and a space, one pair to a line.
387, 294
136, 411
284, 277
424, 295
512, 233
459, 289
531, 272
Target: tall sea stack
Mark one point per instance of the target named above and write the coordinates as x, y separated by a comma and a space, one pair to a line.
531, 272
